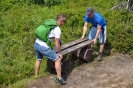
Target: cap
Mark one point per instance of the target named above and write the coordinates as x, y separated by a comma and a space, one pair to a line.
89, 10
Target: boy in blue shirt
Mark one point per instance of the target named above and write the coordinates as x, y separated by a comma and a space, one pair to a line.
97, 30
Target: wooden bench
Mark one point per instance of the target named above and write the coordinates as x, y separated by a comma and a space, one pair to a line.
77, 47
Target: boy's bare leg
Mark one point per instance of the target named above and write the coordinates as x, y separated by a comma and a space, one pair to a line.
37, 67
58, 67
101, 47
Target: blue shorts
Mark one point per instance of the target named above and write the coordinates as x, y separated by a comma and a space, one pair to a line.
43, 51
102, 35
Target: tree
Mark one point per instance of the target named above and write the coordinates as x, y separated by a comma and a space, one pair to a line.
129, 7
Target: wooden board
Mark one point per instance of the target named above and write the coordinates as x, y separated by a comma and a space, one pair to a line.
70, 44
73, 46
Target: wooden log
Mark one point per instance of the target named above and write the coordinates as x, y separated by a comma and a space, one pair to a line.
84, 53
64, 65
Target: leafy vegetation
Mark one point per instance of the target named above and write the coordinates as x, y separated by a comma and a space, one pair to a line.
19, 19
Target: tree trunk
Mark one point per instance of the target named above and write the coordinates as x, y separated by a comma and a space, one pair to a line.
129, 7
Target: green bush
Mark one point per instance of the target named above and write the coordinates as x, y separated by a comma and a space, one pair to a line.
49, 3
131, 53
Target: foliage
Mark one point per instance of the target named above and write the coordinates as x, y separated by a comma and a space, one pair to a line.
120, 31
131, 53
19, 18
49, 3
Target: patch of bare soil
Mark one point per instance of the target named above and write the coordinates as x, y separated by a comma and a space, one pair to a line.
115, 71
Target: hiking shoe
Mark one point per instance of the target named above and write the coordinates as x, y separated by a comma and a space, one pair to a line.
61, 81
99, 56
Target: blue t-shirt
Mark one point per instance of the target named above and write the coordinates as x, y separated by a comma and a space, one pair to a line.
98, 20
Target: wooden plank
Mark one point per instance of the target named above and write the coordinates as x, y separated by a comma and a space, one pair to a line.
76, 47
70, 44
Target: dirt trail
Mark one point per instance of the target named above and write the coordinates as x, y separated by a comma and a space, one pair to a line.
115, 71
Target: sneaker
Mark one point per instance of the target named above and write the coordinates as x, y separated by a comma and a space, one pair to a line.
99, 56
61, 81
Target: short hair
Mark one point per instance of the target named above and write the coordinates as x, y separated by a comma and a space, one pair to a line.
60, 16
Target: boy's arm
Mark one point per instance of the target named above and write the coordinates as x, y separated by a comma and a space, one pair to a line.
84, 29
58, 46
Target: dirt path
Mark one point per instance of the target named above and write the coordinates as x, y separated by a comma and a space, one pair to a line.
115, 71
